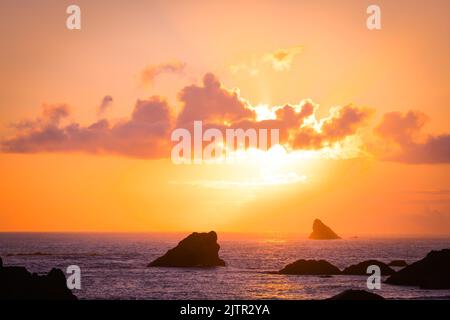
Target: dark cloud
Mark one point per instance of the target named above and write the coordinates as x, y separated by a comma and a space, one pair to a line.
436, 149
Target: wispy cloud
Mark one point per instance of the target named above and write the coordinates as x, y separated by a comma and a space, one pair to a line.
104, 105
151, 72
279, 60
258, 182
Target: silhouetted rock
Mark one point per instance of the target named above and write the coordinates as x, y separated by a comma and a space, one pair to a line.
16, 283
310, 267
1, 263
432, 272
197, 250
398, 263
322, 232
356, 295
361, 268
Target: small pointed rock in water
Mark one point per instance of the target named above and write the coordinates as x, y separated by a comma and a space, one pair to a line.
322, 232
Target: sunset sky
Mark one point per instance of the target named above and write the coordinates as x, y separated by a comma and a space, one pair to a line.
86, 116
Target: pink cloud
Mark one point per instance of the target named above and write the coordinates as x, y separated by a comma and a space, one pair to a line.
405, 141
212, 102
145, 134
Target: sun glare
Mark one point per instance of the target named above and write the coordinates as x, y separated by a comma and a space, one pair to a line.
264, 112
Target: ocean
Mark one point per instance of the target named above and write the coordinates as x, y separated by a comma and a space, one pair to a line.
113, 266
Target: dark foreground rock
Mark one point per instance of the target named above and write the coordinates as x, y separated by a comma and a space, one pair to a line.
361, 268
322, 232
432, 272
310, 267
17, 283
197, 250
356, 295
398, 263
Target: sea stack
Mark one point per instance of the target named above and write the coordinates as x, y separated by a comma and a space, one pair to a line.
310, 267
361, 268
432, 272
398, 263
322, 232
197, 250
17, 283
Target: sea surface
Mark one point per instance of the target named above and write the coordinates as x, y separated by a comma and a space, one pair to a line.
113, 266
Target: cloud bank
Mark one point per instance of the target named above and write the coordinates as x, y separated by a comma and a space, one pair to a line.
146, 132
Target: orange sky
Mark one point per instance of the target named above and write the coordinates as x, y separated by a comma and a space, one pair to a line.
388, 172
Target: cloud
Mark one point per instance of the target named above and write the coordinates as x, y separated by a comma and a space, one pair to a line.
433, 192
257, 183
211, 102
224, 109
289, 119
149, 74
281, 59
54, 113
436, 149
145, 134
343, 122
278, 60
403, 140
252, 68
51, 115
104, 105
401, 128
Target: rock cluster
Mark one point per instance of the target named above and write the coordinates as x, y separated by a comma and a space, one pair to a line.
17, 283
432, 272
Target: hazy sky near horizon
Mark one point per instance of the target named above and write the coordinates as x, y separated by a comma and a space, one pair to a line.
86, 115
